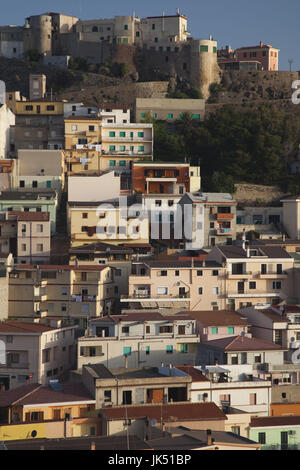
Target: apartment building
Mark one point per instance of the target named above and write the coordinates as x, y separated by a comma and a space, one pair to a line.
139, 339
34, 200
7, 119
168, 109
39, 125
291, 213
55, 401
265, 54
116, 256
232, 388
35, 352
254, 274
71, 293
124, 144
242, 350
83, 144
107, 221
178, 285
281, 325
40, 169
78, 109
135, 386
217, 324
26, 235
209, 219
276, 432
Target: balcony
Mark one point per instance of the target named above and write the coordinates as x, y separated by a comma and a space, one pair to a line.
83, 298
253, 293
273, 275
220, 216
239, 276
155, 298
223, 231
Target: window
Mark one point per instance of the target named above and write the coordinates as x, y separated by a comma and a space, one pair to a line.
230, 330
107, 396
50, 108
141, 148
122, 134
199, 272
125, 329
195, 116
22, 184
170, 116
215, 272
140, 134
177, 273
257, 358
147, 350
122, 162
126, 27
112, 162
112, 134
40, 247
162, 290
9, 339
166, 329
163, 273
142, 115
203, 48
169, 349
214, 331
200, 290
276, 285
262, 437
236, 430
91, 128
34, 184
112, 148
184, 348
252, 398
215, 290
252, 285
23, 247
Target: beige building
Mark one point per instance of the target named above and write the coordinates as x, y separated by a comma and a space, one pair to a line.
135, 386
168, 109
116, 256
291, 216
177, 285
254, 274
139, 339
40, 169
35, 352
26, 235
71, 293
106, 221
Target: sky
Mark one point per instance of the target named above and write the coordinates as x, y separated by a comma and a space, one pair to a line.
231, 22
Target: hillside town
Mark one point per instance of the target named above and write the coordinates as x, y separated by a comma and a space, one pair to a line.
144, 304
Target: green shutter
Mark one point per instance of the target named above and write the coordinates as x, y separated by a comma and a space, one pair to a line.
122, 134
112, 134
214, 331
112, 147
230, 330
203, 48
140, 134
126, 351
112, 162
195, 116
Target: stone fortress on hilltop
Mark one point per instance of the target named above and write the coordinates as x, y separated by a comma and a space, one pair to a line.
161, 47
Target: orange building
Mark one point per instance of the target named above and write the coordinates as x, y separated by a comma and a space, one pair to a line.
285, 409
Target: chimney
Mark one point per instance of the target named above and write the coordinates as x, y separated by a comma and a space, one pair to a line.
260, 44
208, 437
93, 446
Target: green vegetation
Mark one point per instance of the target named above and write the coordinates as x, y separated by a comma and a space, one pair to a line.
254, 146
33, 56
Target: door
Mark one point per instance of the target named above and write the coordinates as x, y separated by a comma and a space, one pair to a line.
284, 440
241, 287
181, 291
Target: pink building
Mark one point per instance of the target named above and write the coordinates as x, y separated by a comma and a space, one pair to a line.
217, 324
265, 54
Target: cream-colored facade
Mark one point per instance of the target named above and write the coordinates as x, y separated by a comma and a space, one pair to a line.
177, 285
291, 216
35, 351
254, 275
66, 292
7, 119
101, 221
131, 340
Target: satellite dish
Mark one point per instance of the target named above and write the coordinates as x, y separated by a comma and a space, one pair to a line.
153, 422
292, 339
34, 433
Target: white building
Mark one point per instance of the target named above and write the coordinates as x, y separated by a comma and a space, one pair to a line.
139, 339
7, 119
36, 352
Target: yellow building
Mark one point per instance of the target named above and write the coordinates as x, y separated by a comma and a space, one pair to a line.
91, 222
82, 144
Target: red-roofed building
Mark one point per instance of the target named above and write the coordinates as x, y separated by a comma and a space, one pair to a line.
265, 54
